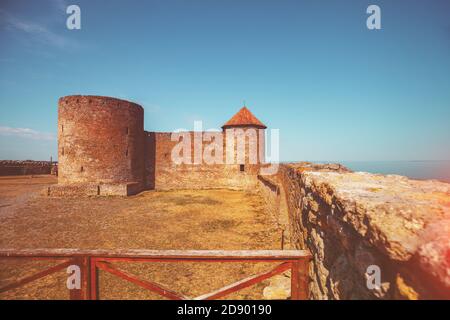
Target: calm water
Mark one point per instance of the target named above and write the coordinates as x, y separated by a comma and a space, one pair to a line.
439, 170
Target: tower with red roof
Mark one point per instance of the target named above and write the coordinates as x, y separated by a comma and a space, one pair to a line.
244, 121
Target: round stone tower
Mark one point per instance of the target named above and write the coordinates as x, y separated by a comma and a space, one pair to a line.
100, 140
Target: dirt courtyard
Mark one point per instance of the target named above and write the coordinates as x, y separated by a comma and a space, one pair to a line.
185, 219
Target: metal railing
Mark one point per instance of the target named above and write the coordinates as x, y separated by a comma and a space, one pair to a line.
91, 261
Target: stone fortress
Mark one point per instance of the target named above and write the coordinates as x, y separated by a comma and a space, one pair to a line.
103, 149
349, 221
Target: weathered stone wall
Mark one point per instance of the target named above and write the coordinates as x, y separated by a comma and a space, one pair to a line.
17, 168
100, 140
93, 189
275, 205
162, 173
350, 221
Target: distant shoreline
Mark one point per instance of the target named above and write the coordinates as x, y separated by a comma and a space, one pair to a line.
414, 169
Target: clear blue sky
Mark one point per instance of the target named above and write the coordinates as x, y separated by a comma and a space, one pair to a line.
336, 90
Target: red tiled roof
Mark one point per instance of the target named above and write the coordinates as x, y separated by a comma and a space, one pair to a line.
244, 118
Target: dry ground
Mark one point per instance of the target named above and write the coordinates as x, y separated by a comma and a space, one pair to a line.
187, 219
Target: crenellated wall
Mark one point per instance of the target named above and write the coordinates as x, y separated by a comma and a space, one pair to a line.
350, 221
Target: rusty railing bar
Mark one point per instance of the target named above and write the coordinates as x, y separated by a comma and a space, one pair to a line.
142, 283
92, 260
249, 255
244, 283
38, 258
187, 259
36, 276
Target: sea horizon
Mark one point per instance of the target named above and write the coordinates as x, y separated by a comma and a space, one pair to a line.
413, 169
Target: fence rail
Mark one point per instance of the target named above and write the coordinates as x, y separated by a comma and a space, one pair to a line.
91, 261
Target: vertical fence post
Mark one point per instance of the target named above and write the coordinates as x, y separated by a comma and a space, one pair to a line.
300, 279
93, 289
83, 292
294, 281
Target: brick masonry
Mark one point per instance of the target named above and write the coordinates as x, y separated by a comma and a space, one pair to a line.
100, 139
162, 173
102, 144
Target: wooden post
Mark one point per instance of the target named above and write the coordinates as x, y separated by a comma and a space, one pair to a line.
83, 293
304, 278
294, 281
93, 289
300, 279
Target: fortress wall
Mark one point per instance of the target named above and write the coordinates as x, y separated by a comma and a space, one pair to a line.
17, 168
275, 203
100, 140
102, 146
350, 221
201, 177
163, 174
